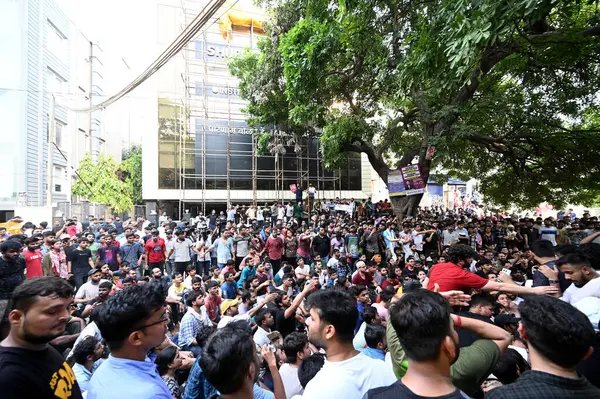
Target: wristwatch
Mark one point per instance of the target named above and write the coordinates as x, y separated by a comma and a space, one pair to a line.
553, 281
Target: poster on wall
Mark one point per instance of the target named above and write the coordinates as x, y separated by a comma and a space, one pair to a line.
395, 183
413, 179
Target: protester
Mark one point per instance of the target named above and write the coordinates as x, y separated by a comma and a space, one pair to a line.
12, 268
334, 316
31, 368
167, 362
230, 364
86, 354
558, 337
132, 321
296, 350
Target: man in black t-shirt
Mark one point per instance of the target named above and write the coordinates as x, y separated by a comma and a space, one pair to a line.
321, 244
285, 316
80, 262
30, 367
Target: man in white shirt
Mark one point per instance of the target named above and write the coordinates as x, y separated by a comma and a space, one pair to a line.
296, 349
578, 269
302, 270
406, 239
229, 310
333, 262
264, 320
450, 236
347, 373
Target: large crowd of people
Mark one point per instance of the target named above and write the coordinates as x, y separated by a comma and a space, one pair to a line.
330, 299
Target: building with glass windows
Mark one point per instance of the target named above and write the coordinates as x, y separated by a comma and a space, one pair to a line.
203, 155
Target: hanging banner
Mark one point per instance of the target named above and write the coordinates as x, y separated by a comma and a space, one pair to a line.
413, 180
395, 183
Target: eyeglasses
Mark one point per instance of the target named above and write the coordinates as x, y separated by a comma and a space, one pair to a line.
163, 319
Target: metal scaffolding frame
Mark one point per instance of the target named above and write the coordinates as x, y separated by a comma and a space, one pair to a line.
194, 105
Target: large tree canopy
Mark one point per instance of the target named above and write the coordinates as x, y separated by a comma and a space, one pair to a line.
506, 91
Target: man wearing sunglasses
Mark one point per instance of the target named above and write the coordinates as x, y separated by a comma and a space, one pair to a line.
132, 322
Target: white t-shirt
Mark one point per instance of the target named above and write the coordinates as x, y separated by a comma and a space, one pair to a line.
261, 337
291, 383
228, 319
359, 341
333, 262
418, 240
406, 242
303, 270
349, 379
574, 294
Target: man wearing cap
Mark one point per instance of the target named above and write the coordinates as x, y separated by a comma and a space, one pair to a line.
229, 310
89, 290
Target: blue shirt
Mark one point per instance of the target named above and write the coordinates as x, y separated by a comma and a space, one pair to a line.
374, 353
229, 290
197, 386
247, 274
82, 375
359, 307
126, 378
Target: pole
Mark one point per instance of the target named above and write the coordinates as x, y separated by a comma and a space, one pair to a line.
91, 60
50, 164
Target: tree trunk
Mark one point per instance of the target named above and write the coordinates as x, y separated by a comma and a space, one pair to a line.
405, 206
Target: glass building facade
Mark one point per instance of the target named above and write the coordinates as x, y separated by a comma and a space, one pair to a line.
204, 142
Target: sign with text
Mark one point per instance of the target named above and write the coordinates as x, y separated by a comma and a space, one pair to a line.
413, 179
223, 126
215, 90
216, 52
395, 183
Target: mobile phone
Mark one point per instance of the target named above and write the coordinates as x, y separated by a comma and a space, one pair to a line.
506, 271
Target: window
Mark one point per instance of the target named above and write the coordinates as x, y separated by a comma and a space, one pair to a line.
55, 84
59, 178
56, 41
58, 133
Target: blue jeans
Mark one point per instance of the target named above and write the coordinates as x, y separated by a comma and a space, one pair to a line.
203, 267
221, 265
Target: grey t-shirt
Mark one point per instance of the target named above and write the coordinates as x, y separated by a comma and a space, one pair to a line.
182, 250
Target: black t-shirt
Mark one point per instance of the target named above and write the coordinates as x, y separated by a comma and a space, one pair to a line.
466, 337
431, 245
283, 325
36, 374
321, 245
398, 390
80, 260
11, 275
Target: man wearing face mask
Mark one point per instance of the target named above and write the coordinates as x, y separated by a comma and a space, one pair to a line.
233, 347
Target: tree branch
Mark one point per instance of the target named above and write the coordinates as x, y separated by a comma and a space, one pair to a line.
375, 158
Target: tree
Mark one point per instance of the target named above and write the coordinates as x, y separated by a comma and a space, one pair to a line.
105, 182
131, 172
99, 183
505, 91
